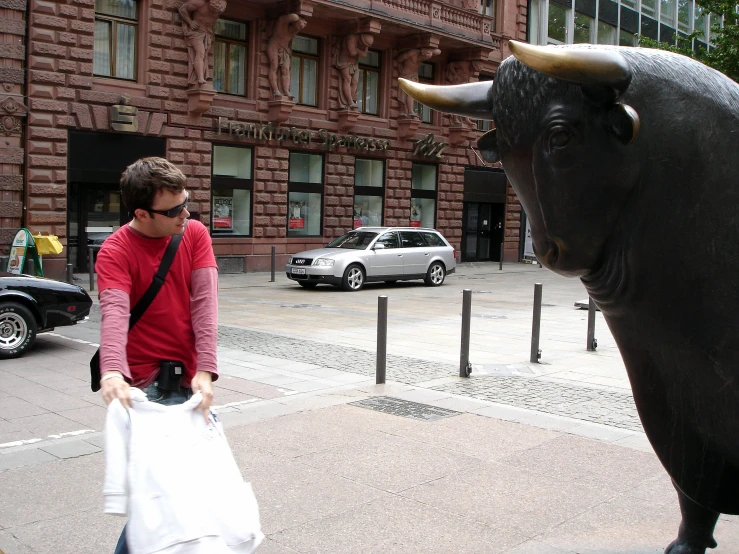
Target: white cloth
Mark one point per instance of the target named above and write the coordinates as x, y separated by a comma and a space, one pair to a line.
153, 456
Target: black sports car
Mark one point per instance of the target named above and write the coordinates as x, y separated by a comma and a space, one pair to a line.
32, 305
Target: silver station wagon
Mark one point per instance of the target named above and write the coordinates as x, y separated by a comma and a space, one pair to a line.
368, 254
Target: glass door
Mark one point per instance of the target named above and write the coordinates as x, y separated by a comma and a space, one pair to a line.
482, 231
95, 212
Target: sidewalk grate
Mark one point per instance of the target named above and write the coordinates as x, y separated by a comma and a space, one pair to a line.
404, 408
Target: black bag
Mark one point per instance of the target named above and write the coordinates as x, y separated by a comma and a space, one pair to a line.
143, 303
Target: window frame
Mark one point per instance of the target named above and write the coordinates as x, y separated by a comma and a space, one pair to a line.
114, 21
308, 188
229, 42
425, 194
418, 107
364, 69
302, 56
227, 181
364, 190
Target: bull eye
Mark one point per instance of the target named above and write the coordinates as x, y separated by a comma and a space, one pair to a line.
559, 138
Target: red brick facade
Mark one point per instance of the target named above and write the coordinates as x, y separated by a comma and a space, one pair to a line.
63, 94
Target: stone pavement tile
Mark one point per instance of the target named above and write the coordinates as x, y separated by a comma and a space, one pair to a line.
92, 417
21, 434
500, 411
657, 489
260, 390
96, 439
10, 545
51, 490
88, 531
637, 441
225, 396
68, 382
70, 448
48, 424
279, 380
549, 421
259, 411
22, 458
12, 407
508, 497
50, 399
588, 462
477, 436
622, 525
291, 493
39, 375
398, 526
389, 462
537, 547
422, 395
270, 546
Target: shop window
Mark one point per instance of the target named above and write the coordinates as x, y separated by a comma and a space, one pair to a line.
425, 75
231, 187
369, 81
649, 7
606, 33
584, 29
557, 25
116, 26
423, 195
626, 39
533, 21
369, 192
683, 14
304, 70
486, 124
487, 7
229, 57
305, 195
700, 20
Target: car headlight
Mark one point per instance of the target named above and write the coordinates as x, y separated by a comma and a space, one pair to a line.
323, 261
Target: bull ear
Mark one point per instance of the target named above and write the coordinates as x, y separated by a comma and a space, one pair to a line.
624, 122
488, 145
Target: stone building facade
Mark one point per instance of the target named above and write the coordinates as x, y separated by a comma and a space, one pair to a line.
262, 170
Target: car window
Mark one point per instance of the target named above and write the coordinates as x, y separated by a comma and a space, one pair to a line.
356, 241
411, 239
390, 240
432, 239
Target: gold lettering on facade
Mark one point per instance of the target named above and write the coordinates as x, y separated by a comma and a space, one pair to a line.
123, 117
427, 147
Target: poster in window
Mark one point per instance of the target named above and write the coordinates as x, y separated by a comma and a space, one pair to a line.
297, 215
223, 213
415, 215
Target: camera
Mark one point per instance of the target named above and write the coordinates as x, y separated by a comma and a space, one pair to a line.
170, 375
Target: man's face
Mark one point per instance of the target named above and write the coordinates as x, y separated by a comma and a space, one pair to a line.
159, 225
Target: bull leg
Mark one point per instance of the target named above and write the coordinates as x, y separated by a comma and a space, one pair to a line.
696, 528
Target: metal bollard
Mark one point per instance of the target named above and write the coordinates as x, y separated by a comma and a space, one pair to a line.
381, 340
465, 367
30, 268
91, 264
272, 279
70, 274
4, 263
536, 325
501, 256
592, 341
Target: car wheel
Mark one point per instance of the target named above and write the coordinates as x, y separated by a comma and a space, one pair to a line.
307, 284
353, 278
18, 330
435, 275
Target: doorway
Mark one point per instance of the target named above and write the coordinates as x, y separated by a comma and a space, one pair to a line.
482, 231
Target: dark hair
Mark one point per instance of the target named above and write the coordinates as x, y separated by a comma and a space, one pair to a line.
145, 178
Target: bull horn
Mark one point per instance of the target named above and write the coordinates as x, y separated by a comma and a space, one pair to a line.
473, 100
584, 66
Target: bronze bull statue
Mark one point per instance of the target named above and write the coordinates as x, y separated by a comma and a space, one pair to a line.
626, 161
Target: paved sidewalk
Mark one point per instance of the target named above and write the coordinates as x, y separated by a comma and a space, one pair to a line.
520, 458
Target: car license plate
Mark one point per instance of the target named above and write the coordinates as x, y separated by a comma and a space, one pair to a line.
298, 271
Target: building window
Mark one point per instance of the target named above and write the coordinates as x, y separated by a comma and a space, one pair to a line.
487, 7
229, 57
369, 191
425, 75
484, 124
231, 187
557, 24
423, 195
369, 82
584, 29
606, 33
116, 25
304, 71
305, 195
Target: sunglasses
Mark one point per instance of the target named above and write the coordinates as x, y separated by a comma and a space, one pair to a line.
172, 212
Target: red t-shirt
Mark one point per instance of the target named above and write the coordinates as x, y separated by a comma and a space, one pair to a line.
127, 262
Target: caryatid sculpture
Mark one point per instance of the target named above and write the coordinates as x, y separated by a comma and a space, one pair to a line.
408, 63
279, 53
351, 48
198, 23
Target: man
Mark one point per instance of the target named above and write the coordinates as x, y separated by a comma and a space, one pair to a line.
198, 31
408, 64
181, 323
279, 52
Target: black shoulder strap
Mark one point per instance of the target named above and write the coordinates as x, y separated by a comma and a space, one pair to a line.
156, 284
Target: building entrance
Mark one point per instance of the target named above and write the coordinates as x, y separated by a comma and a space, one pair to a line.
94, 208
482, 231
